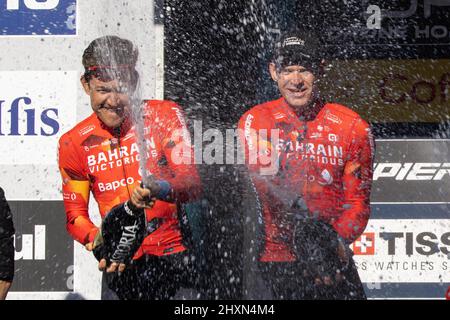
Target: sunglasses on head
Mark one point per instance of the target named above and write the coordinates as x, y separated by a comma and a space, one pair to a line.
109, 73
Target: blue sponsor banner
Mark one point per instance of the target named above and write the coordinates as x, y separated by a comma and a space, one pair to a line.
41, 18
406, 290
410, 211
410, 290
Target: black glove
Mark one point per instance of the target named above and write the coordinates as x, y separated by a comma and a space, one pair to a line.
122, 231
316, 246
160, 189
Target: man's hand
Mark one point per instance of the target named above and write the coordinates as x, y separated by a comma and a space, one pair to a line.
142, 198
337, 277
322, 250
120, 235
344, 256
102, 265
328, 280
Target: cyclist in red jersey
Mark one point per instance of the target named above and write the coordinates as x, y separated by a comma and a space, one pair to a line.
313, 159
101, 154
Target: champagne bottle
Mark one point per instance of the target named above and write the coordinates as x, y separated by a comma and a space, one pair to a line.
122, 231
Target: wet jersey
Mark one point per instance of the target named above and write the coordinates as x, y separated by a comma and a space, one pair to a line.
93, 158
325, 164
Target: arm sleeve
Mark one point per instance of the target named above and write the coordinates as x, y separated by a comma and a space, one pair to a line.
357, 181
179, 153
75, 188
261, 157
6, 240
249, 143
255, 137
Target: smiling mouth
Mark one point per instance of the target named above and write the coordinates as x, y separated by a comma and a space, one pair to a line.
117, 110
298, 92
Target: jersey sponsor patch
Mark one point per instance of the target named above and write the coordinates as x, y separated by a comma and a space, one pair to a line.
86, 130
325, 178
333, 118
279, 115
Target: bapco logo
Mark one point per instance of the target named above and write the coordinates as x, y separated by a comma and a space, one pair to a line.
365, 244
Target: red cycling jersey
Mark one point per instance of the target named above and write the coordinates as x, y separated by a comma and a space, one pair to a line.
95, 158
327, 161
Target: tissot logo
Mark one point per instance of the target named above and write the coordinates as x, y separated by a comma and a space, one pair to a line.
403, 243
423, 243
365, 244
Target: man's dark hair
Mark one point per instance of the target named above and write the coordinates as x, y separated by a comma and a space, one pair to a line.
109, 56
110, 51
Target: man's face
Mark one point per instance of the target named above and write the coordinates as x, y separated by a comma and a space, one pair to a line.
296, 84
109, 100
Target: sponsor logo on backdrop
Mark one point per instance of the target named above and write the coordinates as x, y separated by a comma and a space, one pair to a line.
38, 18
36, 108
397, 88
365, 244
20, 118
400, 27
412, 171
32, 245
392, 90
413, 22
422, 243
404, 250
43, 249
